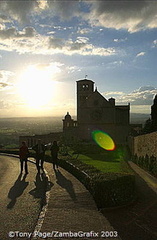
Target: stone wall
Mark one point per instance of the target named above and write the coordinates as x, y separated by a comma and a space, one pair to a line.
45, 138
145, 144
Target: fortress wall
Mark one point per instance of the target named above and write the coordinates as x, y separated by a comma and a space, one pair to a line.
145, 144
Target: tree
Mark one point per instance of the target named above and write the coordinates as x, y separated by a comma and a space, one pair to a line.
148, 128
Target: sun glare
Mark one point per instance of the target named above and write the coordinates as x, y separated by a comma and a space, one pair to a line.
36, 85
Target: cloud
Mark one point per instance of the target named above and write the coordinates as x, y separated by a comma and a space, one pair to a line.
5, 79
130, 15
82, 40
143, 109
142, 96
78, 44
2, 105
20, 10
56, 43
120, 39
84, 30
140, 54
82, 46
3, 85
50, 32
12, 33
112, 94
145, 88
73, 69
29, 41
5, 75
114, 64
155, 43
64, 9
4, 18
51, 68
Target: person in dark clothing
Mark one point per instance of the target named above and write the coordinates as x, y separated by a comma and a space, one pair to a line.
23, 154
54, 153
40, 149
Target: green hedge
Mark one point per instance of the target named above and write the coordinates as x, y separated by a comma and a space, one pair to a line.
147, 163
107, 189
10, 151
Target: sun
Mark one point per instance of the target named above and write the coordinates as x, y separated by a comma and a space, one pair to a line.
36, 85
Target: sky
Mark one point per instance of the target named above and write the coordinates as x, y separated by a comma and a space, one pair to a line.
46, 46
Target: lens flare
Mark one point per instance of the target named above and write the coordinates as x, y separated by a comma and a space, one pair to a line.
103, 140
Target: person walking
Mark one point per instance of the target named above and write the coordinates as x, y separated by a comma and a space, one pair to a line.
40, 149
54, 154
23, 154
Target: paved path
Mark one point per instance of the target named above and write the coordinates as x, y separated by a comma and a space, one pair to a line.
72, 208
139, 220
20, 198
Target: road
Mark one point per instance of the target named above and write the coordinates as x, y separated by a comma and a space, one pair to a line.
21, 197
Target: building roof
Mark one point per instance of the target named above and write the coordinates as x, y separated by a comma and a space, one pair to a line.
68, 116
85, 80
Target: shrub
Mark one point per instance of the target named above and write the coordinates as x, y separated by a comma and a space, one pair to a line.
135, 158
107, 189
10, 151
113, 189
147, 163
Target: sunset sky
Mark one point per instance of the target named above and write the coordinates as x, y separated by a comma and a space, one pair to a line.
46, 46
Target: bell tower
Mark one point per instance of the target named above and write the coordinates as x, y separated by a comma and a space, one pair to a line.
84, 89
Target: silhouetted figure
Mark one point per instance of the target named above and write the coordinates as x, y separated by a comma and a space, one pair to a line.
24, 153
54, 153
40, 149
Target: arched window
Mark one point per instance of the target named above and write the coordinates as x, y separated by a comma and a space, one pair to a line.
85, 86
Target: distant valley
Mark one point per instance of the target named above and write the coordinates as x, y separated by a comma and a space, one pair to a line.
12, 128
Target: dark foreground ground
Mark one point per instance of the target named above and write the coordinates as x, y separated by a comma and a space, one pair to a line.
139, 220
21, 198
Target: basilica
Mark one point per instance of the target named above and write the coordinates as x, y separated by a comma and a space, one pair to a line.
95, 112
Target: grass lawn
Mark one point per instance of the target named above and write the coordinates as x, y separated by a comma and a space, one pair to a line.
105, 161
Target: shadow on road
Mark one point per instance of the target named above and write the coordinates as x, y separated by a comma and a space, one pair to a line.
65, 183
42, 185
17, 189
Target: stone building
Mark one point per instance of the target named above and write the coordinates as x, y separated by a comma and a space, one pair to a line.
69, 128
94, 112
45, 138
